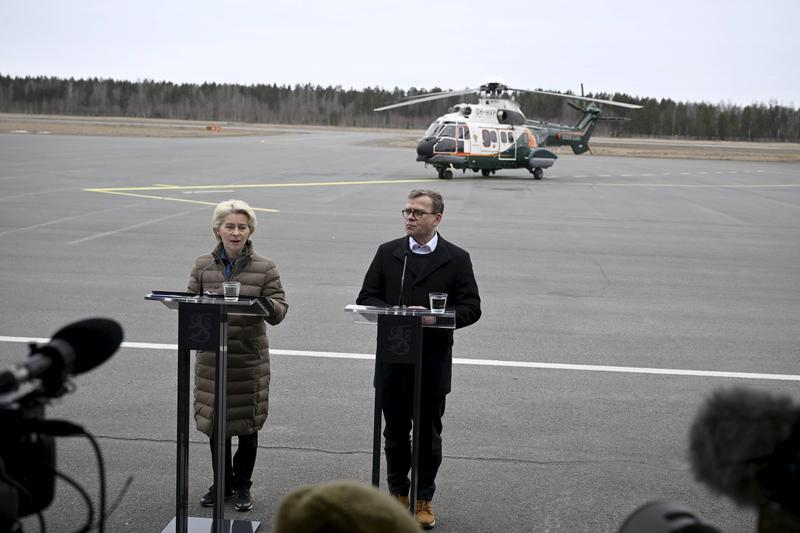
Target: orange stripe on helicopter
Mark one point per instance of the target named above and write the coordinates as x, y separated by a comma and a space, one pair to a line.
531, 139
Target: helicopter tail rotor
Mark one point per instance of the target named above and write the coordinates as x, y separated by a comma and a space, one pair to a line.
592, 109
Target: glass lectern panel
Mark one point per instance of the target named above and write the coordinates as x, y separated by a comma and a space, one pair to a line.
368, 314
245, 305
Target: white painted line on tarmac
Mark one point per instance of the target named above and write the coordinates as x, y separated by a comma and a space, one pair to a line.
44, 224
692, 185
59, 220
139, 225
482, 362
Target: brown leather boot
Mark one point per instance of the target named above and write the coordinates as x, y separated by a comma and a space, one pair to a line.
399, 497
424, 515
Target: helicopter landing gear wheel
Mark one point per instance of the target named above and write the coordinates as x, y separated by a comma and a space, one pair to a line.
446, 175
485, 172
537, 173
440, 172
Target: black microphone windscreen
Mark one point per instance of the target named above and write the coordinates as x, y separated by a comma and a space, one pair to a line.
733, 438
93, 339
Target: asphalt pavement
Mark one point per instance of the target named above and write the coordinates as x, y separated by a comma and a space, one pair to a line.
617, 294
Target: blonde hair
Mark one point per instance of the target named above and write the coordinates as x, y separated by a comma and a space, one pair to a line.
230, 207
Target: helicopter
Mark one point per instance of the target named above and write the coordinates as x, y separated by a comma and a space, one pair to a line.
494, 134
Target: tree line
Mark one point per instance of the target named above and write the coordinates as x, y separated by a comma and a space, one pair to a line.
315, 105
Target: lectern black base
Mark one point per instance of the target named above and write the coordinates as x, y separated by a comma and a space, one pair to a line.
206, 525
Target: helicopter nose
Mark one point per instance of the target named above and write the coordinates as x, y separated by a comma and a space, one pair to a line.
425, 148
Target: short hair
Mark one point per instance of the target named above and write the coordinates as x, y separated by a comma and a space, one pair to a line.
436, 198
342, 506
231, 207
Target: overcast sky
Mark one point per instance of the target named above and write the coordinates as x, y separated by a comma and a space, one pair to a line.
729, 51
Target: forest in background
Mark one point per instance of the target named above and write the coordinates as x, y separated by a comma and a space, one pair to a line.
334, 106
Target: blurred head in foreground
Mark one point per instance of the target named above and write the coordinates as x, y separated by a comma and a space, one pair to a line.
342, 507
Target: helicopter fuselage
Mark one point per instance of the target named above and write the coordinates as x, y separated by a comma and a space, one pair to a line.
483, 137
494, 133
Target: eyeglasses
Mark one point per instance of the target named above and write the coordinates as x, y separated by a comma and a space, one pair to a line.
415, 213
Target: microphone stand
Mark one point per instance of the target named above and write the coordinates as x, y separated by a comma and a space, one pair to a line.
402, 281
213, 262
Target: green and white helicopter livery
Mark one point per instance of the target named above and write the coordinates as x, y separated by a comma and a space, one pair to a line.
494, 134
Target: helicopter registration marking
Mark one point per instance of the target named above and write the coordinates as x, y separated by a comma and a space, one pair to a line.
483, 113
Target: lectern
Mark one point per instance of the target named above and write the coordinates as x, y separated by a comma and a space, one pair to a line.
399, 343
203, 325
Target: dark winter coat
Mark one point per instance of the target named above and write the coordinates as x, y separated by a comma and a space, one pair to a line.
448, 269
248, 348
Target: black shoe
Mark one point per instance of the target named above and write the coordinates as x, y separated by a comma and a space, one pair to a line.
208, 498
242, 501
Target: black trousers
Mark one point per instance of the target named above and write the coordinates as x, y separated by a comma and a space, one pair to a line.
398, 411
239, 468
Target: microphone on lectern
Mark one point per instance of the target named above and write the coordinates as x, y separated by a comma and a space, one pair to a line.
403, 279
200, 276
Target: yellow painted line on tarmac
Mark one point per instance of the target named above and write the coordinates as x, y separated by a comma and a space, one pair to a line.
170, 199
130, 191
255, 185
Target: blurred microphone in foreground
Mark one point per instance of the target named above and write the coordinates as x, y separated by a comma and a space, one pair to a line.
745, 444
27, 446
74, 349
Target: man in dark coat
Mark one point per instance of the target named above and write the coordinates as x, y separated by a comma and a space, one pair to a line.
432, 265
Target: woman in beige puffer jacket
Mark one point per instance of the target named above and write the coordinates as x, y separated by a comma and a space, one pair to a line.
247, 398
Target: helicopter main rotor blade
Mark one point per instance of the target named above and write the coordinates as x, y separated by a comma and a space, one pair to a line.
573, 105
414, 97
587, 99
426, 98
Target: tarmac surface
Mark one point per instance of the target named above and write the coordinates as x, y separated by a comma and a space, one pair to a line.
618, 293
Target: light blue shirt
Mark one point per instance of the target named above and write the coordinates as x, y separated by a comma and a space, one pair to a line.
423, 249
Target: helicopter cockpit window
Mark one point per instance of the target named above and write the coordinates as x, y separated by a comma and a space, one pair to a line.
511, 136
448, 131
463, 132
486, 140
445, 145
432, 129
